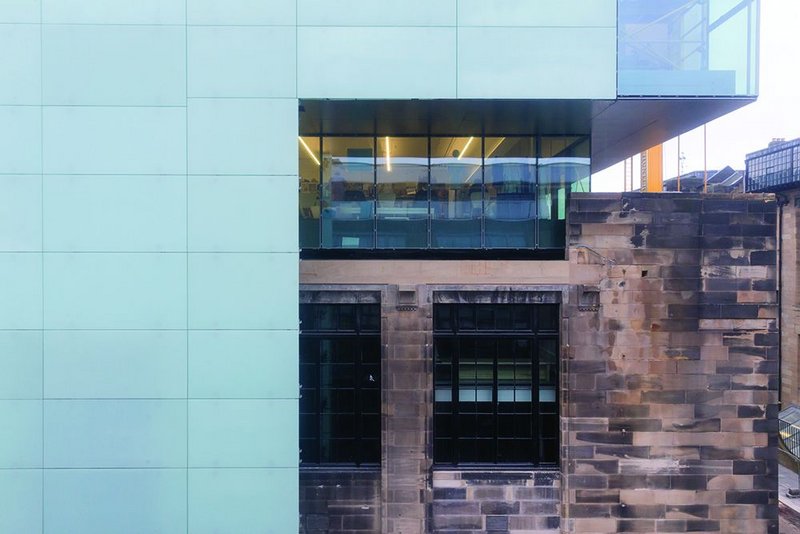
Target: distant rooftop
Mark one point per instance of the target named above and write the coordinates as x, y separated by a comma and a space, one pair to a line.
726, 180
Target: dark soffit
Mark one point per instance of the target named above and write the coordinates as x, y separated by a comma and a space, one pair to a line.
619, 128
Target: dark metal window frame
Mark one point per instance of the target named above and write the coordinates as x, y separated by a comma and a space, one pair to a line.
535, 335
773, 169
361, 336
430, 252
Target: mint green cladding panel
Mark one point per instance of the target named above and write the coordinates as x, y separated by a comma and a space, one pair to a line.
376, 62
140, 212
538, 13
21, 419
20, 139
123, 501
147, 364
524, 49
537, 62
20, 52
114, 291
142, 140
243, 266
241, 489
424, 13
112, 11
21, 350
21, 11
20, 213
77, 71
242, 136
242, 433
240, 213
217, 373
21, 299
222, 56
21, 500
148, 173
242, 13
124, 433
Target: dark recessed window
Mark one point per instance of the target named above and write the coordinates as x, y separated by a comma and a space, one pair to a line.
340, 381
496, 384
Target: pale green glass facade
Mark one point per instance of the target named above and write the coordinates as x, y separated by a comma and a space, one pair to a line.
148, 230
688, 47
148, 253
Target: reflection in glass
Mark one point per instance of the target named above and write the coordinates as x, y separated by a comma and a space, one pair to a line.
776, 166
687, 47
347, 192
510, 206
564, 161
439, 192
496, 396
339, 384
402, 176
456, 192
309, 191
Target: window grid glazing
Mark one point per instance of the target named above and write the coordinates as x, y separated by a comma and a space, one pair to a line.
340, 384
496, 384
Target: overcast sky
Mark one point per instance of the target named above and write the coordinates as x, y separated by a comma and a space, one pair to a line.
751, 128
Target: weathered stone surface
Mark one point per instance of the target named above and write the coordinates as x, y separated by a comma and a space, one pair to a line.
668, 378
340, 501
707, 307
501, 501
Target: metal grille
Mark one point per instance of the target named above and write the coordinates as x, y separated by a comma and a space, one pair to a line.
496, 384
789, 427
340, 381
774, 168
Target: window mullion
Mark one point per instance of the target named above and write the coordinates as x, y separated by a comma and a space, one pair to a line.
535, 408
357, 409
481, 348
456, 401
495, 400
348, 351
318, 415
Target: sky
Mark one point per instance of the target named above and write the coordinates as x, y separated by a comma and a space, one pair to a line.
775, 114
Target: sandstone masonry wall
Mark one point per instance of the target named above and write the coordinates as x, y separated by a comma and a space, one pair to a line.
340, 501
790, 302
496, 501
670, 369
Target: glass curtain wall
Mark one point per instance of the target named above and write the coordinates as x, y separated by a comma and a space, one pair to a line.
348, 192
688, 47
422, 193
402, 185
456, 192
564, 163
309, 191
774, 168
510, 207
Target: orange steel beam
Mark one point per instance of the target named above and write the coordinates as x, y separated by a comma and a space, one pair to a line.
652, 169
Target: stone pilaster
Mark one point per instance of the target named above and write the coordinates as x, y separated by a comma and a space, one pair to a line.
407, 404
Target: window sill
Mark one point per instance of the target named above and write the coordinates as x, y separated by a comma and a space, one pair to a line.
495, 468
550, 254
342, 468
